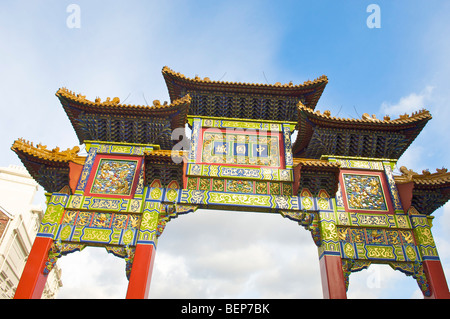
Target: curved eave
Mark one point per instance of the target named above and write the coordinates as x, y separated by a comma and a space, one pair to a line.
439, 180
408, 125
366, 123
40, 153
39, 160
166, 157
316, 174
114, 107
310, 91
315, 164
42, 163
74, 105
430, 190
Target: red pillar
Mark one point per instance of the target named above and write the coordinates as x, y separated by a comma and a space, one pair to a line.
141, 272
74, 175
405, 193
32, 282
436, 279
333, 282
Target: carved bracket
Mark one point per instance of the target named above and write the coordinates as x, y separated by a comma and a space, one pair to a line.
172, 211
58, 250
125, 252
351, 265
309, 220
410, 269
416, 271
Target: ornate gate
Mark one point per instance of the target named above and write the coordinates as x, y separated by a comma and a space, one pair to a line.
335, 179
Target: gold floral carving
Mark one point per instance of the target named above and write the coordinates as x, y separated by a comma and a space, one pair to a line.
101, 235
383, 252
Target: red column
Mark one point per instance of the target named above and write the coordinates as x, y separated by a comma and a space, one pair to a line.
74, 175
405, 193
333, 283
436, 279
32, 282
141, 272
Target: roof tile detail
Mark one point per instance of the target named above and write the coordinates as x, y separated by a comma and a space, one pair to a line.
366, 120
440, 178
309, 90
114, 104
41, 152
206, 80
314, 127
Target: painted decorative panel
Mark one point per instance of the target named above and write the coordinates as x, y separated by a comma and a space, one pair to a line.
109, 204
196, 127
239, 186
378, 244
114, 177
53, 215
99, 227
241, 148
393, 188
260, 173
237, 123
373, 220
90, 158
364, 192
356, 162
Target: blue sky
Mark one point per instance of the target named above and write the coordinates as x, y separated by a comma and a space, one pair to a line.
120, 49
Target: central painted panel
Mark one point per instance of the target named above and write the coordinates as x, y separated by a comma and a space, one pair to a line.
253, 147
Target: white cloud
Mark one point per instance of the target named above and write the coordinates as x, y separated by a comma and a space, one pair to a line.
92, 273
426, 149
408, 104
225, 254
120, 49
382, 282
410, 159
441, 229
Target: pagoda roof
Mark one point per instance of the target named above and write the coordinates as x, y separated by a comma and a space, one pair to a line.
439, 179
50, 168
309, 91
430, 190
322, 134
81, 110
41, 153
315, 163
316, 175
165, 157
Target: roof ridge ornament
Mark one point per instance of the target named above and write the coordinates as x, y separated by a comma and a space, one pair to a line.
366, 117
116, 100
409, 174
197, 78
41, 151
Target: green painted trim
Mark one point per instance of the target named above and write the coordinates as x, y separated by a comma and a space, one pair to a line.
89, 143
330, 158
191, 117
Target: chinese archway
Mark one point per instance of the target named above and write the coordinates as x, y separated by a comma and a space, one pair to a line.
335, 179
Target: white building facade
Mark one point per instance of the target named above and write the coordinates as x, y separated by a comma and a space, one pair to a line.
19, 223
